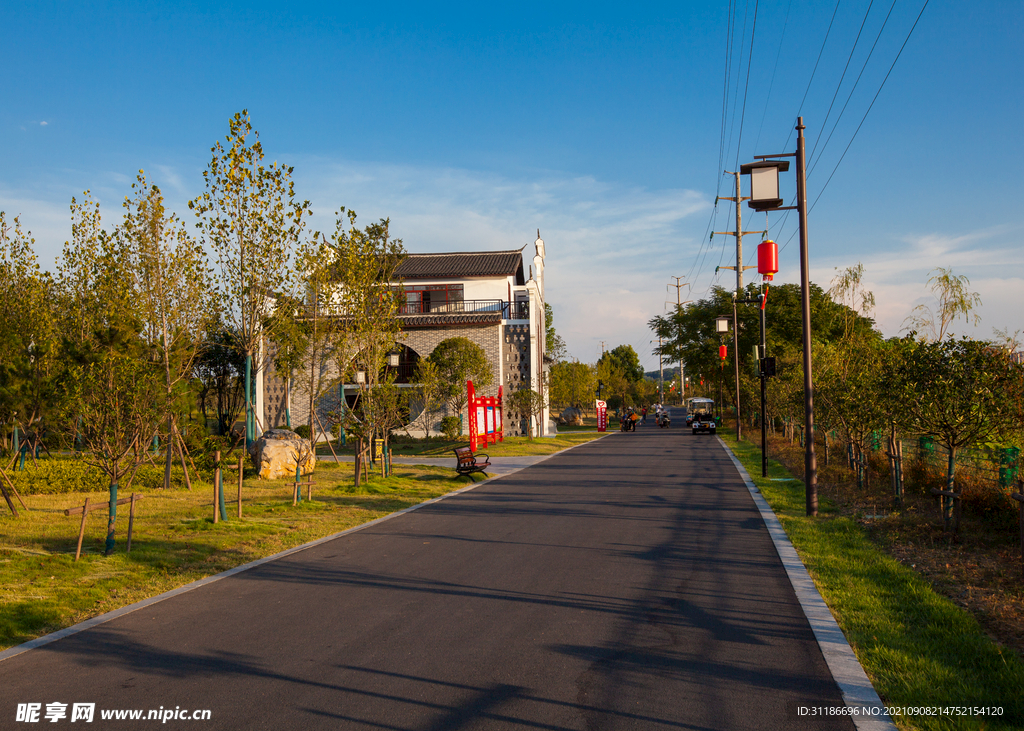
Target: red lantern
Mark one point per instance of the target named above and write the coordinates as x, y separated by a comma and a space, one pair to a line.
767, 259
723, 352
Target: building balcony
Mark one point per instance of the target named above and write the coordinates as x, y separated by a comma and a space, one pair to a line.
482, 309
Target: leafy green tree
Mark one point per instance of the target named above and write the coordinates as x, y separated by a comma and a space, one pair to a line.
846, 370
368, 302
112, 388
431, 390
614, 383
554, 346
952, 300
894, 392
219, 369
529, 405
29, 332
573, 384
250, 218
626, 361
966, 393
689, 333
175, 305
318, 336
459, 360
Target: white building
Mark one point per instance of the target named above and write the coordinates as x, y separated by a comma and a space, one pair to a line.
493, 298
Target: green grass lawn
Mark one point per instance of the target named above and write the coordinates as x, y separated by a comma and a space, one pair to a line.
174, 542
918, 648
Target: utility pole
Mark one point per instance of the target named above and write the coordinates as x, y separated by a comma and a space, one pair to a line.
739, 233
679, 303
661, 376
678, 285
765, 197
810, 460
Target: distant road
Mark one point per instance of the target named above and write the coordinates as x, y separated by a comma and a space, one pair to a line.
628, 583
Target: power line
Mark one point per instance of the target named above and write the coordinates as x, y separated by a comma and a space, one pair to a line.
739, 70
873, 100
843, 76
848, 98
771, 85
746, 86
815, 69
725, 90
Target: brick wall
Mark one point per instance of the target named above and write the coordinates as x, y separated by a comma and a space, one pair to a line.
507, 349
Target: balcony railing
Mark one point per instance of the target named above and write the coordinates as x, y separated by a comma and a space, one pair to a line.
509, 310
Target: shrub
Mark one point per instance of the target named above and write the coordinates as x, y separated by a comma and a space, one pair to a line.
302, 430
451, 427
63, 476
58, 476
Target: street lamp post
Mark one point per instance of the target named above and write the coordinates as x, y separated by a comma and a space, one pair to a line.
722, 327
764, 196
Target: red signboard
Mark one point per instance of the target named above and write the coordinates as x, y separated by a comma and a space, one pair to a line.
602, 415
485, 418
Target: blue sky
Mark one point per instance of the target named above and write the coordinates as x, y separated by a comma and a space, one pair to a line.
599, 124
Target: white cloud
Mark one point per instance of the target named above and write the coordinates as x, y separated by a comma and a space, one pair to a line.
991, 258
610, 248
43, 124
50, 223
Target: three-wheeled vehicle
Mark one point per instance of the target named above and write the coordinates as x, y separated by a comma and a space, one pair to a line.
700, 415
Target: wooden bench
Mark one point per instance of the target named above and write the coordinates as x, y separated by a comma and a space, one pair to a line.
468, 463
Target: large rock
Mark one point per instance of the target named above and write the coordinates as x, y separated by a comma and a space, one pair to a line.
276, 453
571, 417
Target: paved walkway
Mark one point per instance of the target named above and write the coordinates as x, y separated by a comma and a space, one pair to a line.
628, 583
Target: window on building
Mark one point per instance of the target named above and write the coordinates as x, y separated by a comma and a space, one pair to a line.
421, 298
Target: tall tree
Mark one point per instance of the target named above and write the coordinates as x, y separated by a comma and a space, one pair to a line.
251, 219
966, 393
459, 360
626, 360
220, 371
573, 383
319, 335
29, 332
554, 346
431, 390
368, 301
529, 405
112, 388
953, 300
171, 276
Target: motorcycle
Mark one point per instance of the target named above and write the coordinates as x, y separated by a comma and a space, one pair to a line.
663, 420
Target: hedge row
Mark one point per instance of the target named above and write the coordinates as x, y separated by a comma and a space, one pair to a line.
60, 476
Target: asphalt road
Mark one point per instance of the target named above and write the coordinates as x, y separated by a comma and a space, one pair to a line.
628, 583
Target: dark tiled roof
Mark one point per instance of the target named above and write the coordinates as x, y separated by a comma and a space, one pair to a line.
463, 264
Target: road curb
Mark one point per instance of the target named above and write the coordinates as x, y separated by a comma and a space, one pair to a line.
114, 614
853, 682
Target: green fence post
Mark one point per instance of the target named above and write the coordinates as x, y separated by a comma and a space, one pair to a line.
111, 519
1008, 466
